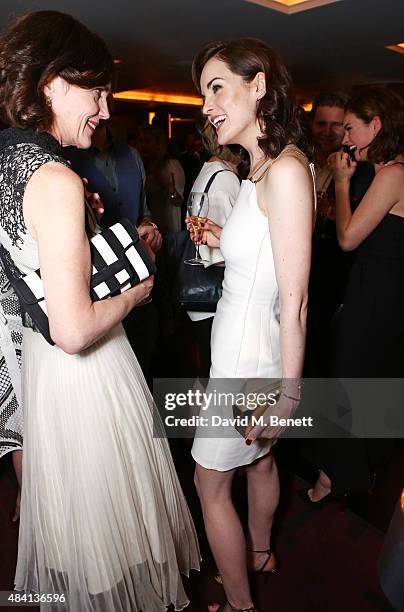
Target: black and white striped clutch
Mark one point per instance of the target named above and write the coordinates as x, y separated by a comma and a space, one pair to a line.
119, 259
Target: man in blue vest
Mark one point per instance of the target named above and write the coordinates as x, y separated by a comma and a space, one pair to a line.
115, 171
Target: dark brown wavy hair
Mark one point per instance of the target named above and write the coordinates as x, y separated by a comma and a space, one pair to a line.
281, 120
369, 101
38, 47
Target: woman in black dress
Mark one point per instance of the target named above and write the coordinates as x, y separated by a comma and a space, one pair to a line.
370, 341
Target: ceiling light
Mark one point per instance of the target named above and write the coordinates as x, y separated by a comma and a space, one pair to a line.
398, 47
143, 95
291, 6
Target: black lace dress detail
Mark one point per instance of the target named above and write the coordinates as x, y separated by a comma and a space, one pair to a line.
21, 153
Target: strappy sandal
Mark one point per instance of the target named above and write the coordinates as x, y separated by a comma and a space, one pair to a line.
262, 570
259, 571
233, 609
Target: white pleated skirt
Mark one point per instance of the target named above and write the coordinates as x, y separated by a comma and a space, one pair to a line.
103, 516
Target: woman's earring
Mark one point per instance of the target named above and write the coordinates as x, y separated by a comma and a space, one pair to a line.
48, 101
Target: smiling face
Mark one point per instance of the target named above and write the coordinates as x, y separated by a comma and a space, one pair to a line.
327, 128
76, 111
360, 134
230, 103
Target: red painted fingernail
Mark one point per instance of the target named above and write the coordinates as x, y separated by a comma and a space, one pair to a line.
248, 442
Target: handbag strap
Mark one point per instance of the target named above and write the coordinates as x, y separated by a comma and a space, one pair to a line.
11, 271
7, 262
212, 178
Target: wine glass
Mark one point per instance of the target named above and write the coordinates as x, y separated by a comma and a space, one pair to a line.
198, 208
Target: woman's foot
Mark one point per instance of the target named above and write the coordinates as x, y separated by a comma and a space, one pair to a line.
16, 514
321, 489
261, 562
215, 607
226, 607
257, 563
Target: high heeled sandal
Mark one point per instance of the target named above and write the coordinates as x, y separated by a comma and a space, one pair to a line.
262, 570
259, 571
233, 609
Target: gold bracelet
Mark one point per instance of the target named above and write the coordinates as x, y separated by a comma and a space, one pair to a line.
296, 399
285, 392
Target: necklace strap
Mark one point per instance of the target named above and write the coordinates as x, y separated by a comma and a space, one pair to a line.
267, 163
263, 166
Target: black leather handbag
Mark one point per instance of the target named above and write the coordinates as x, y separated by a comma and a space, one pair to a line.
197, 288
119, 259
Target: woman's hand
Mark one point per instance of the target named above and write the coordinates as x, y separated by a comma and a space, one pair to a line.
341, 166
284, 408
140, 292
149, 249
150, 234
209, 234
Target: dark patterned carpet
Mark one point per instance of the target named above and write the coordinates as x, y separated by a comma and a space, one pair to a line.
327, 557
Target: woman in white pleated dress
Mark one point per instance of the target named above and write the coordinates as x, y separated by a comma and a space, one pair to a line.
259, 326
104, 523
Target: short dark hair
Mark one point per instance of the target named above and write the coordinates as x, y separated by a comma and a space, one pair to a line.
329, 98
38, 47
280, 118
369, 101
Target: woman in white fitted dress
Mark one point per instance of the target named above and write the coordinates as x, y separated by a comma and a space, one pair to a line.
259, 327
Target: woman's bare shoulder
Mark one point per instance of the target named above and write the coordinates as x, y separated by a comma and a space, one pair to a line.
290, 157
54, 194
55, 178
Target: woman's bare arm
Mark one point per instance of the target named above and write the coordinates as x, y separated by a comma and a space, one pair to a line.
54, 215
286, 195
381, 197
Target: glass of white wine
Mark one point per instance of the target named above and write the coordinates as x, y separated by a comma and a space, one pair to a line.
198, 208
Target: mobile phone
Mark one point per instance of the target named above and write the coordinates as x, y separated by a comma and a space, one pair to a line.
350, 149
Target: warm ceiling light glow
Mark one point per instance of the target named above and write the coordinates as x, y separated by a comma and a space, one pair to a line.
151, 117
308, 106
402, 501
291, 6
142, 95
170, 127
290, 2
181, 120
117, 61
398, 47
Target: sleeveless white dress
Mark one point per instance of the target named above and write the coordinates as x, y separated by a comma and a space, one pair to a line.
245, 332
103, 516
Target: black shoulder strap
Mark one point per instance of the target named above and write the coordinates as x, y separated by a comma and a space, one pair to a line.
210, 181
8, 265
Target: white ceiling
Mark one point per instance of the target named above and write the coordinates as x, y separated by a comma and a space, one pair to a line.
332, 46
